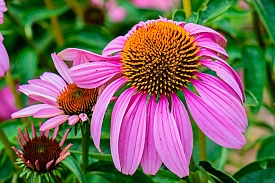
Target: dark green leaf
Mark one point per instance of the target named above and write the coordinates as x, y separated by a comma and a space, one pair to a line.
217, 175
254, 72
267, 148
261, 171
213, 9
72, 165
266, 9
251, 100
179, 16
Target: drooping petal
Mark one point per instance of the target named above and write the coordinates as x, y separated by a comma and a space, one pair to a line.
54, 79
150, 161
116, 120
54, 122
72, 120
132, 136
226, 73
94, 74
213, 46
45, 84
29, 89
48, 113
4, 62
100, 108
44, 99
29, 111
213, 123
62, 68
184, 125
198, 29
114, 46
224, 102
217, 82
167, 140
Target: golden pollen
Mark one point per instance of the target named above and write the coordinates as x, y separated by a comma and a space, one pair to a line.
42, 149
160, 57
74, 100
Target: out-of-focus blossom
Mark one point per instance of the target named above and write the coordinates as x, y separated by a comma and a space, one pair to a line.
150, 125
62, 99
7, 104
41, 156
156, 4
3, 8
4, 58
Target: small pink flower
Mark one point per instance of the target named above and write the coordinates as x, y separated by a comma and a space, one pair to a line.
62, 99
150, 125
156, 4
7, 104
3, 8
4, 58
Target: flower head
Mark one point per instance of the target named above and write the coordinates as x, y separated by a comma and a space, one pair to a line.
41, 155
62, 99
7, 104
150, 125
4, 62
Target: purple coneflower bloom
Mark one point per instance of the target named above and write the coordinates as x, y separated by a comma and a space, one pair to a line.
4, 62
62, 99
150, 124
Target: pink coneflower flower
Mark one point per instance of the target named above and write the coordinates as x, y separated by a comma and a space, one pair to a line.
3, 8
40, 156
7, 104
158, 59
62, 99
4, 58
156, 4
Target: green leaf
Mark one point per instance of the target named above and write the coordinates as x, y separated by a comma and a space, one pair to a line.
217, 175
179, 16
213, 9
267, 148
254, 66
72, 165
256, 172
251, 100
266, 9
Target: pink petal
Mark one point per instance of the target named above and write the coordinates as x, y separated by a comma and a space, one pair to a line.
72, 120
94, 74
206, 54
184, 125
198, 29
213, 46
226, 73
213, 123
100, 108
29, 89
132, 136
83, 117
217, 82
167, 140
48, 112
44, 99
54, 79
54, 122
62, 68
114, 46
5, 62
116, 120
29, 111
224, 102
45, 84
150, 161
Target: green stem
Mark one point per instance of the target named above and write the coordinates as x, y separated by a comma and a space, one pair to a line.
4, 139
12, 86
202, 147
55, 25
187, 7
194, 175
85, 145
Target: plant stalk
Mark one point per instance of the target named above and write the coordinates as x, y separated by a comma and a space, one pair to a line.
202, 148
85, 146
187, 7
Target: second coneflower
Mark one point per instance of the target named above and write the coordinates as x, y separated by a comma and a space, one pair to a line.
62, 99
40, 156
159, 59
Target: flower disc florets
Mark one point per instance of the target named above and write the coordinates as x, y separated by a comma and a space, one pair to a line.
159, 57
